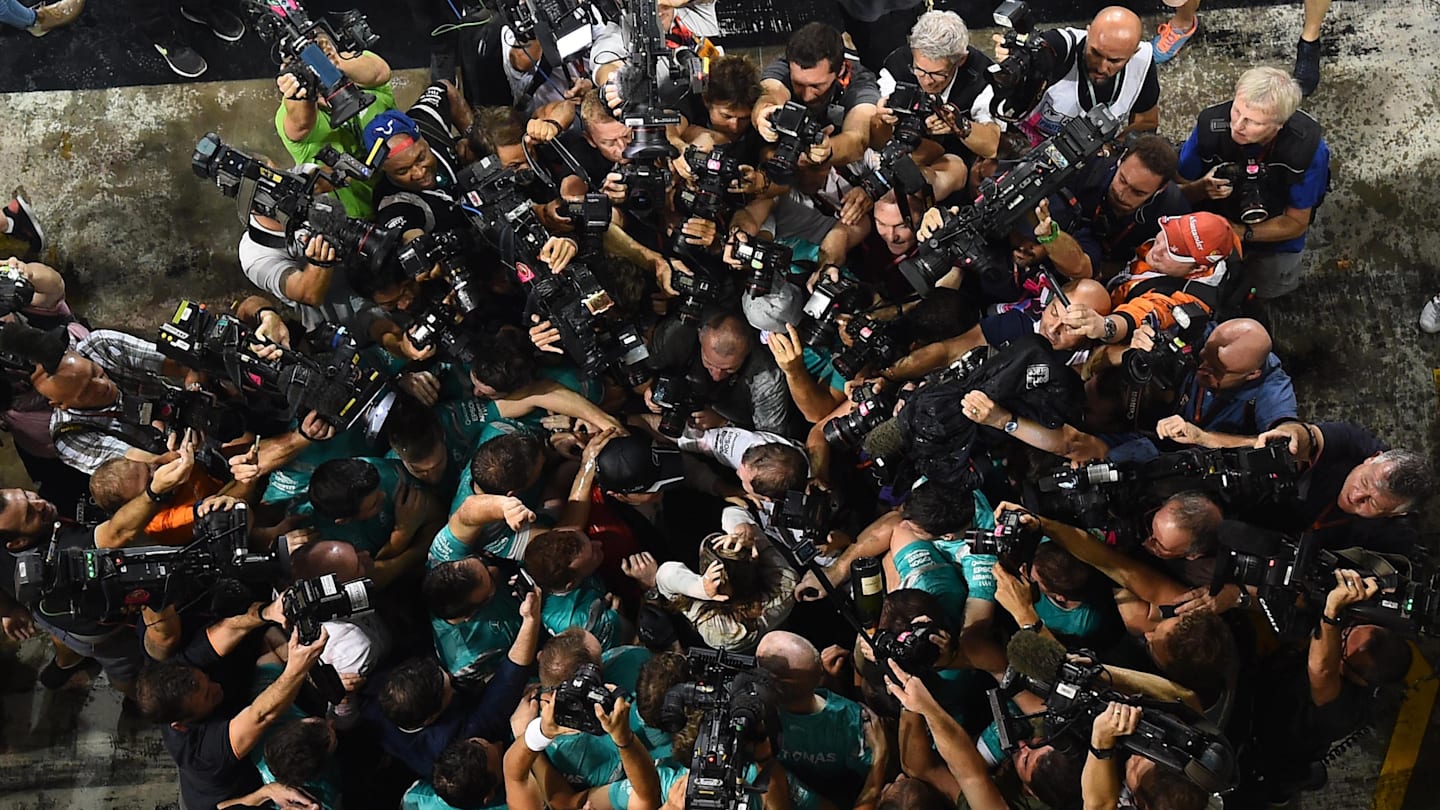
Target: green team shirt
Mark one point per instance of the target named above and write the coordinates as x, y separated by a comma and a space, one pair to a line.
585, 760
827, 747
367, 535
979, 579
357, 196
292, 482
472, 648
818, 364
489, 429
923, 565
422, 796
670, 772
324, 788
586, 607
621, 666
1081, 621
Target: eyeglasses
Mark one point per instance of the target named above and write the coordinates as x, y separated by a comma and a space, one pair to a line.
931, 74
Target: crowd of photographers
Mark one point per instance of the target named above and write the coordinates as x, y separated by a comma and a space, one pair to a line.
695, 433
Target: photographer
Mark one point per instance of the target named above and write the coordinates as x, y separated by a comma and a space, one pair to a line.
418, 185
1264, 164
1185, 264
1148, 784
1105, 63
939, 58
1356, 491
1054, 594
832, 744
1114, 206
303, 122
743, 386
814, 72
311, 284
1303, 706
961, 771
207, 732
1237, 392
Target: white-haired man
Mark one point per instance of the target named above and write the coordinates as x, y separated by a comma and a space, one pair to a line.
1263, 164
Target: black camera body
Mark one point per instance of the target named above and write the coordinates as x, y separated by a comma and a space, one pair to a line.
872, 407
797, 129
1024, 76
108, 584
762, 260
820, 318
309, 603
679, 396
447, 249
577, 696
286, 27
697, 290
1247, 181
1008, 198
803, 522
16, 291
896, 173
498, 199
646, 185
359, 243
738, 705
1175, 354
655, 78
873, 343
915, 650
1010, 542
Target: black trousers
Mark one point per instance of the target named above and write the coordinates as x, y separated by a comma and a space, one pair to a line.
875, 40
160, 19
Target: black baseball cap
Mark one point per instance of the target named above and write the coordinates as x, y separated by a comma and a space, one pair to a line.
634, 464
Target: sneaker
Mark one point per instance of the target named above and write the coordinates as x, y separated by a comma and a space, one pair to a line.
221, 23
1430, 316
54, 15
54, 676
1307, 66
24, 225
183, 60
1168, 41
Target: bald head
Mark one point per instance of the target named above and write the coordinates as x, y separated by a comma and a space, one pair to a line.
794, 662
1234, 354
329, 557
1111, 40
724, 345
1089, 292
76, 383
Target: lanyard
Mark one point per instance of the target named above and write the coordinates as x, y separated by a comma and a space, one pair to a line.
1321, 523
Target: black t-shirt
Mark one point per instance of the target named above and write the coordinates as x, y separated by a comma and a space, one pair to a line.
1290, 728
430, 210
595, 164
1104, 92
856, 85
1346, 447
971, 79
1104, 235
210, 772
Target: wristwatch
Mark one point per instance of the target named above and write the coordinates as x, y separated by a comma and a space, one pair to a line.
1012, 426
1034, 627
1109, 330
1249, 234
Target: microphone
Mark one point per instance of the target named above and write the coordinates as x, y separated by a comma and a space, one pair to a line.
1034, 656
885, 441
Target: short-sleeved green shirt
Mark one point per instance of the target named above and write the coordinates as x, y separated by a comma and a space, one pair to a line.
472, 648
357, 196
976, 568
924, 565
584, 606
291, 482
827, 747
373, 533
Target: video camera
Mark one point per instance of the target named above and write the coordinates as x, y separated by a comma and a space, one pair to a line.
285, 26
797, 129
334, 380
1104, 494
577, 696
738, 703
106, 584
1024, 76
655, 78
1292, 578
1010, 542
561, 26
499, 201
309, 603
1006, 199
1169, 734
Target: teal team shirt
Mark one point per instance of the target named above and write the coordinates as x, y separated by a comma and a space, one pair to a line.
472, 648
827, 747
290, 482
367, 535
585, 606
325, 789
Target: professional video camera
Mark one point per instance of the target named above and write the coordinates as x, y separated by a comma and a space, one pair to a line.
499, 201
1168, 733
109, 583
872, 407
16, 291
446, 249
1008, 198
820, 318
873, 343
1247, 181
762, 260
289, 196
738, 703
213, 421
577, 696
655, 78
798, 130
561, 26
1108, 494
333, 380
1175, 354
574, 303
286, 27
1292, 577
310, 603
1024, 76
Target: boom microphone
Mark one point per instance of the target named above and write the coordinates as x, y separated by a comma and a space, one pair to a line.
885, 441
1034, 656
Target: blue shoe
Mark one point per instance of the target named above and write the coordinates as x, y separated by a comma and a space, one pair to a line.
1168, 41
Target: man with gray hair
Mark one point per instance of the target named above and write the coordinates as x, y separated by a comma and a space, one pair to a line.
939, 59
1355, 491
1263, 164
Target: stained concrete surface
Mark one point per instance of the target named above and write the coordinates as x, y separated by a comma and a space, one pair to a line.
133, 230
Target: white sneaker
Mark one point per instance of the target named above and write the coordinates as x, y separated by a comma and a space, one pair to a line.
1430, 316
